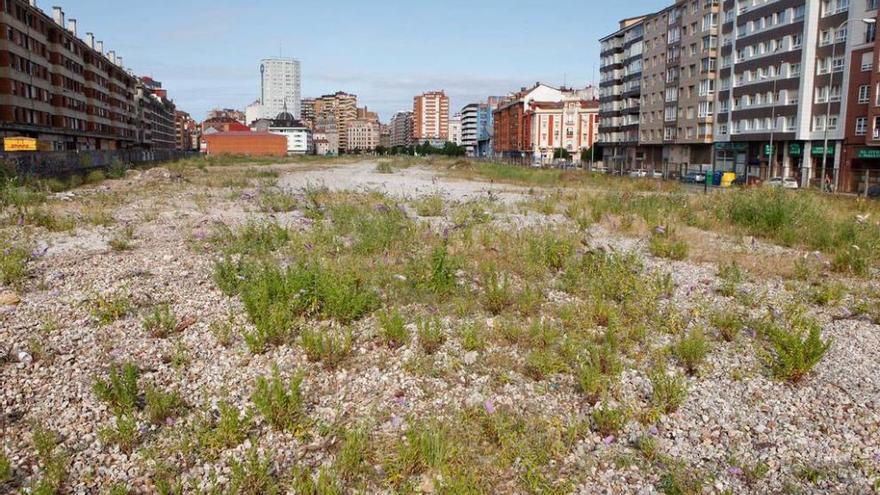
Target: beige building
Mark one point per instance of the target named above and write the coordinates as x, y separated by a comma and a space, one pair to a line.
431, 117
571, 124
342, 107
363, 135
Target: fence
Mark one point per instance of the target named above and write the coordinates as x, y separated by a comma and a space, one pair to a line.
60, 163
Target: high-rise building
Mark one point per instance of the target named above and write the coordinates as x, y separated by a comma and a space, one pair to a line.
343, 108
431, 117
469, 117
156, 116
307, 111
363, 135
860, 159
620, 87
454, 133
365, 114
65, 91
280, 87
402, 129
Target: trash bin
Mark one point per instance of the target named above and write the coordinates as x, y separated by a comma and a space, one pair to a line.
727, 179
716, 178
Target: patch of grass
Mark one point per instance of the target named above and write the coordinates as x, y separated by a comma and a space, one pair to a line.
542, 363
384, 167
161, 321
430, 206
13, 263
352, 458
681, 480
49, 220
95, 176
252, 238
162, 406
441, 279
430, 333
825, 294
549, 249
110, 307
795, 345
124, 433
497, 292
280, 402
253, 475
731, 275
52, 459
392, 328
325, 346
853, 260
426, 447
668, 391
473, 336
691, 350
728, 322
608, 420
6, 470
224, 430
665, 244
120, 390
277, 201
326, 483
224, 331
592, 382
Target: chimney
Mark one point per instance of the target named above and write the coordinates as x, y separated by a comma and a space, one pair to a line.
119, 61
58, 16
33, 3
71, 26
99, 46
112, 56
90, 40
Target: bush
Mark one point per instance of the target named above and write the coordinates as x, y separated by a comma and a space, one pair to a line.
227, 429
6, 470
497, 294
108, 308
591, 382
281, 403
161, 322
691, 350
95, 176
795, 350
664, 244
13, 263
393, 328
430, 206
254, 475
472, 337
52, 459
728, 322
120, 391
328, 348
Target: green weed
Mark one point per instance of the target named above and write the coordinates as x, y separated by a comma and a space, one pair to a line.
280, 402
161, 322
327, 347
120, 390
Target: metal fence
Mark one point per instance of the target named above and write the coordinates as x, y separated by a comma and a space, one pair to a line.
60, 163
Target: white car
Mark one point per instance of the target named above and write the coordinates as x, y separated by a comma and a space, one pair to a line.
638, 173
786, 183
657, 175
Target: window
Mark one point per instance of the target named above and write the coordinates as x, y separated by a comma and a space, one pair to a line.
867, 61
870, 33
861, 126
875, 133
864, 94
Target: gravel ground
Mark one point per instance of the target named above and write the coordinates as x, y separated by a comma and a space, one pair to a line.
830, 423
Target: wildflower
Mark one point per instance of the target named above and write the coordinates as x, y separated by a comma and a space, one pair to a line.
489, 407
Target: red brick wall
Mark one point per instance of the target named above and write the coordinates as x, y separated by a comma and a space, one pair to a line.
253, 145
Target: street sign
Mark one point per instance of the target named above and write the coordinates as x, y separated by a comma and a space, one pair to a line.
769, 151
19, 144
817, 150
794, 149
868, 153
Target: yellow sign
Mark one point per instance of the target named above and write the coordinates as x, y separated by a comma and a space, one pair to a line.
19, 144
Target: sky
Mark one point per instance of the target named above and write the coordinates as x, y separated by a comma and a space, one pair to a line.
207, 52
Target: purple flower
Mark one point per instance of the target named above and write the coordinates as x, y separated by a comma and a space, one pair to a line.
877, 457
735, 470
199, 234
608, 440
653, 430
489, 406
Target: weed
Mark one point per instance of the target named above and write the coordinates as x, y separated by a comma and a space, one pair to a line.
108, 308
95, 176
648, 447
728, 322
384, 167
732, 276
681, 480
253, 475
120, 391
39, 349
352, 456
124, 433
224, 331
6, 470
665, 244
473, 337
281, 403
542, 363
13, 263
853, 260
53, 460
691, 350
667, 391
497, 293
795, 348
442, 277
425, 447
326, 482
551, 250
161, 322
825, 294
228, 428
591, 381
328, 348
430, 206
121, 240
609, 420
430, 334
393, 328
277, 201
162, 406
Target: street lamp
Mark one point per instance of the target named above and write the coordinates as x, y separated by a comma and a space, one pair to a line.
866, 20
773, 115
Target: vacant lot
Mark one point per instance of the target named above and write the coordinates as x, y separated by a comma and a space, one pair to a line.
420, 326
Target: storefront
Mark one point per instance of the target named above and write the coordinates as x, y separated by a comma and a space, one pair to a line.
860, 169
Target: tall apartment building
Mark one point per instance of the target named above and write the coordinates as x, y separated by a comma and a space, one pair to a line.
620, 89
785, 76
185, 130
156, 116
66, 92
307, 111
363, 135
343, 109
469, 117
431, 117
280, 87
402, 129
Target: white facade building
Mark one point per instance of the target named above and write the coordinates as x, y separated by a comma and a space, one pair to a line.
454, 135
280, 87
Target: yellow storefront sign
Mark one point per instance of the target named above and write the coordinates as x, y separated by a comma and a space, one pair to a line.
19, 144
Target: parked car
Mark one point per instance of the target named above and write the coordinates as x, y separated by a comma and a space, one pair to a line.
785, 183
600, 170
657, 175
694, 178
638, 173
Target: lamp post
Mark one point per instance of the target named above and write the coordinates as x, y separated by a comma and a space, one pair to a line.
773, 117
866, 20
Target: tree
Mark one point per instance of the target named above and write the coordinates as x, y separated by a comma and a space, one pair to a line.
561, 154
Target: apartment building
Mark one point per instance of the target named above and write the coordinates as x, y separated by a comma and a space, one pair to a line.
185, 131
65, 91
785, 75
363, 135
860, 159
454, 133
401, 129
431, 118
156, 124
620, 89
469, 115
343, 109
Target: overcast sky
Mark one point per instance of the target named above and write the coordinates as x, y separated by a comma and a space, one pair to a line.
207, 52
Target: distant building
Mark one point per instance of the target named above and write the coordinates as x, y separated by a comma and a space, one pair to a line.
280, 86
185, 129
228, 113
223, 124
307, 112
384, 136
454, 133
299, 137
469, 116
431, 117
156, 116
365, 114
401, 130
342, 108
253, 112
246, 144
326, 143
363, 135
486, 126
